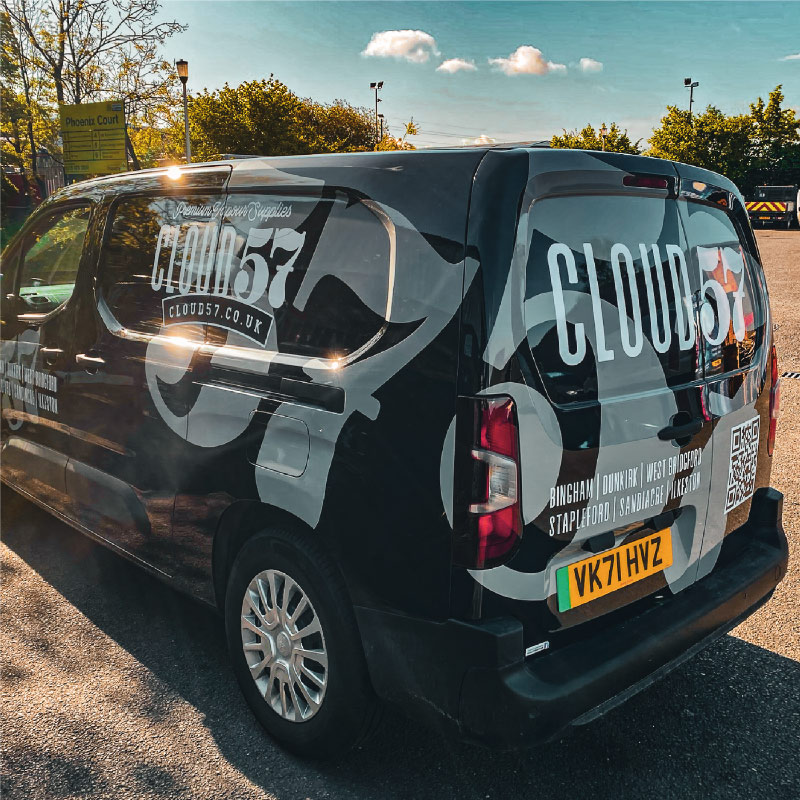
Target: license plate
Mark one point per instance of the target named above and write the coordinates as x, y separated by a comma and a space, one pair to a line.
599, 575
763, 217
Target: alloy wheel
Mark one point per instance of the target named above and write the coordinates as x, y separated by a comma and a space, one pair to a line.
284, 645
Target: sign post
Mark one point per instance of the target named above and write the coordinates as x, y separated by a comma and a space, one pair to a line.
94, 138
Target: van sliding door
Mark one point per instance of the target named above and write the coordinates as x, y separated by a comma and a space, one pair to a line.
133, 365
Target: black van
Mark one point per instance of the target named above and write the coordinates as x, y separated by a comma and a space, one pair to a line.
485, 433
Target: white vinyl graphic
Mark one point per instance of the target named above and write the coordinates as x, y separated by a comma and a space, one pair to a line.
744, 459
230, 301
26, 387
725, 285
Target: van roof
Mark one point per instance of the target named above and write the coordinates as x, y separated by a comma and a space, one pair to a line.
366, 159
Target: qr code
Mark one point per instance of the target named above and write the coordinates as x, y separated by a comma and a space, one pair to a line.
744, 458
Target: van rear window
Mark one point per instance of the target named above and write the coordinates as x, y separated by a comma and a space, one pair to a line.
612, 298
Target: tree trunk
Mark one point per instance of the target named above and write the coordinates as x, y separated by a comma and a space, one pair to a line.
131, 151
33, 146
58, 80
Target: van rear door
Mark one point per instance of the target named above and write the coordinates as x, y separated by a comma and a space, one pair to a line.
615, 429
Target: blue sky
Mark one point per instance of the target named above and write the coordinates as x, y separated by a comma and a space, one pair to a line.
636, 55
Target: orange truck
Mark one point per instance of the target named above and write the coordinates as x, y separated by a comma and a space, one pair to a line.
774, 205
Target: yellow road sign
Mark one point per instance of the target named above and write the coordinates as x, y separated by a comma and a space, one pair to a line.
94, 138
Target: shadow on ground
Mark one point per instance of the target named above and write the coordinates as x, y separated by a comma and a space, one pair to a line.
726, 725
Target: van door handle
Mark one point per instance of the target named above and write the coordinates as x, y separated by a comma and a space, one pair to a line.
51, 354
90, 361
684, 430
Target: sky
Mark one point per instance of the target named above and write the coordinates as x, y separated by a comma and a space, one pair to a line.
509, 71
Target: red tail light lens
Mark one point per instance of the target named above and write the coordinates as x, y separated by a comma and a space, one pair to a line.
774, 403
489, 525
646, 181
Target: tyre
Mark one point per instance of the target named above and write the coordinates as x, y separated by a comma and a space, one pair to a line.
295, 647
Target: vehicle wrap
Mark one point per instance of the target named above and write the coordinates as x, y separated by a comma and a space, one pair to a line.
229, 406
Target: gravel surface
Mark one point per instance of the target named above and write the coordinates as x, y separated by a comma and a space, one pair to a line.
114, 686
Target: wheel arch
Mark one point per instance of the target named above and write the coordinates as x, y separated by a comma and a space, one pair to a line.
238, 523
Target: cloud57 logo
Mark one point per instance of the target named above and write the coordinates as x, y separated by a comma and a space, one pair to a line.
205, 286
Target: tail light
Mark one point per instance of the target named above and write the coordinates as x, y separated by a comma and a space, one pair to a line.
646, 181
774, 403
488, 521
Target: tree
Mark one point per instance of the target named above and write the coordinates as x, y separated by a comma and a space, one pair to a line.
750, 149
711, 140
254, 118
775, 144
266, 118
616, 140
25, 98
87, 45
335, 128
90, 50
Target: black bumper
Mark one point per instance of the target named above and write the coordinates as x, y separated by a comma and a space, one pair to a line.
473, 679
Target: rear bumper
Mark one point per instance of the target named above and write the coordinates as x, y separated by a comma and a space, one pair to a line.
771, 216
473, 677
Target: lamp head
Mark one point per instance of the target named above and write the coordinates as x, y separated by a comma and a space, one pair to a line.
183, 70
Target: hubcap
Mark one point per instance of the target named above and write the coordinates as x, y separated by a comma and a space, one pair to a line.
284, 645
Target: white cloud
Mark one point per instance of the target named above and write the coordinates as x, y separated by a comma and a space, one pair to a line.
456, 65
482, 139
794, 57
590, 65
527, 60
415, 46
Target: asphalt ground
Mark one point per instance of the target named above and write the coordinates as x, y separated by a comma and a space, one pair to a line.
115, 686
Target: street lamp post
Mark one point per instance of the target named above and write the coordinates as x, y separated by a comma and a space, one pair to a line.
603, 134
183, 73
376, 86
691, 86
380, 116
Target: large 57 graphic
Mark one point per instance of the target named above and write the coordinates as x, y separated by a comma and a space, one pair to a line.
200, 260
726, 267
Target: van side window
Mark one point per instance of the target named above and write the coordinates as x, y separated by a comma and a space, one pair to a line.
155, 250
307, 275
51, 255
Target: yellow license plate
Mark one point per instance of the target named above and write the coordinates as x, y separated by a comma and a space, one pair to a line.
763, 217
599, 575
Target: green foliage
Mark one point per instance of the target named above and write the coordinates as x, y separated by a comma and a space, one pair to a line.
711, 140
775, 147
390, 143
762, 147
266, 118
336, 128
616, 140
410, 129
257, 117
